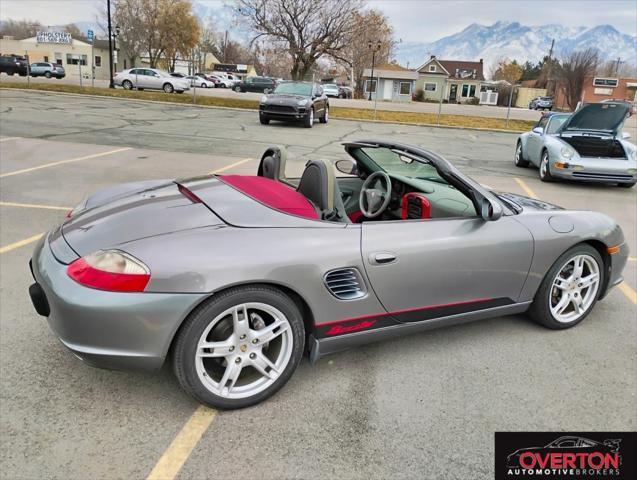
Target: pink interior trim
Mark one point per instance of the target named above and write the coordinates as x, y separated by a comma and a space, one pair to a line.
273, 193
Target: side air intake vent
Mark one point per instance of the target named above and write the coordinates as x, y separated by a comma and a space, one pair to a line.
345, 283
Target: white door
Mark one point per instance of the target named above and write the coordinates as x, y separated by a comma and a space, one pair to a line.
388, 85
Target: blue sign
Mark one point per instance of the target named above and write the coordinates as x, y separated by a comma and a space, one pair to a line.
89, 35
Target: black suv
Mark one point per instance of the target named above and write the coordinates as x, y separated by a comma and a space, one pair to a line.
295, 102
11, 64
256, 84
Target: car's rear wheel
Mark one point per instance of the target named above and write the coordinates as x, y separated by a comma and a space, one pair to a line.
326, 115
240, 347
519, 156
309, 119
168, 88
47, 74
127, 85
545, 168
570, 289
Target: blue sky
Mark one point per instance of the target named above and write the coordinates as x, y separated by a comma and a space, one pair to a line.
413, 20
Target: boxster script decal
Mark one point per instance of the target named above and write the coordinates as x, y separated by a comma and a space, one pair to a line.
571, 455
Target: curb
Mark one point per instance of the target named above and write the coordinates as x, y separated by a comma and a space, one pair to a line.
240, 109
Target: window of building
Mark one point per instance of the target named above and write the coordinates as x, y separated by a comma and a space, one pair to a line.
46, 58
468, 90
405, 88
605, 82
430, 87
98, 61
370, 86
74, 60
432, 68
58, 58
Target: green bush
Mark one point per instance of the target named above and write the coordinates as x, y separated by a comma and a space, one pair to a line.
419, 96
473, 101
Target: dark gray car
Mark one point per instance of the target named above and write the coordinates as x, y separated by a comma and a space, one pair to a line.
541, 103
295, 102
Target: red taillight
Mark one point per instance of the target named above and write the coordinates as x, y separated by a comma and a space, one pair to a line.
188, 194
93, 271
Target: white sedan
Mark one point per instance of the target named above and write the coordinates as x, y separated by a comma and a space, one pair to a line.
199, 82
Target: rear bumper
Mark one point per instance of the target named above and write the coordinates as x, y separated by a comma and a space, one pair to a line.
124, 331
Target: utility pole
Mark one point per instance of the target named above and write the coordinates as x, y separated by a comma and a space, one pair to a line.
619, 61
549, 69
111, 84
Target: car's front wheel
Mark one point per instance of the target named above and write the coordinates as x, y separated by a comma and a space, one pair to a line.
264, 120
127, 85
326, 115
626, 185
519, 156
545, 168
240, 347
570, 289
309, 119
168, 88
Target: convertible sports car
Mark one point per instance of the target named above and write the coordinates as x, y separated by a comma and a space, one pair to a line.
233, 277
585, 146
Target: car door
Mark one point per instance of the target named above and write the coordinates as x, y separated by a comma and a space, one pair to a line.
535, 141
154, 79
318, 99
424, 269
140, 78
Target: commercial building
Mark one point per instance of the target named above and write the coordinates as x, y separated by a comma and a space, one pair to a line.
73, 54
600, 88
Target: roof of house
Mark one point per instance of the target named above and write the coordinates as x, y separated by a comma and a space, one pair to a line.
391, 70
460, 69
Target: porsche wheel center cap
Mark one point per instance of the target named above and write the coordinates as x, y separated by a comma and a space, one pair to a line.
243, 348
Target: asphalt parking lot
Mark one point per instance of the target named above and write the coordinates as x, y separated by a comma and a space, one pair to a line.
425, 406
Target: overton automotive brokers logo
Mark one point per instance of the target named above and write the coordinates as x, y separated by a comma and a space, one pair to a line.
565, 455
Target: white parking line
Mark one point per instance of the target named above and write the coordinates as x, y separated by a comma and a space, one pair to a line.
33, 205
6, 139
20, 243
60, 162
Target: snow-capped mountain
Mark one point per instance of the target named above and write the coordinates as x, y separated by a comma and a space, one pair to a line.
516, 41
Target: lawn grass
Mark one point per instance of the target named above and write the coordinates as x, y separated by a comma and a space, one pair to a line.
416, 118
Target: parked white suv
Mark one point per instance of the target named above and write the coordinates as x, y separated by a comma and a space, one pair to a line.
151, 79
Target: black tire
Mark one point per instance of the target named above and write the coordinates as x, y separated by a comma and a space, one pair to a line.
47, 74
127, 85
626, 185
540, 311
236, 89
518, 159
308, 121
545, 173
10, 72
326, 115
185, 345
168, 88
264, 120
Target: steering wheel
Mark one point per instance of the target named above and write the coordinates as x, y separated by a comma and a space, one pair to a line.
374, 198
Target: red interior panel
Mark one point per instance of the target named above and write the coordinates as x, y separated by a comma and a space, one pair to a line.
272, 193
415, 205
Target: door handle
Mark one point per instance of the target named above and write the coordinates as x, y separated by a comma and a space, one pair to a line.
382, 258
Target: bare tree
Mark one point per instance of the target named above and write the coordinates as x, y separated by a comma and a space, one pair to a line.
207, 44
575, 68
74, 30
307, 29
21, 28
370, 28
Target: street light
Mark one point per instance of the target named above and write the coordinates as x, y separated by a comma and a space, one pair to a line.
374, 49
111, 83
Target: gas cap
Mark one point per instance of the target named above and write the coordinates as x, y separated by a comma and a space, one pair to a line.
561, 224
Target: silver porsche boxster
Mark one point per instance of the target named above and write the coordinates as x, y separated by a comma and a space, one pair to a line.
587, 146
235, 277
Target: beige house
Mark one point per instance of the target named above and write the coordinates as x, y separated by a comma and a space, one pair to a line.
390, 82
456, 81
72, 53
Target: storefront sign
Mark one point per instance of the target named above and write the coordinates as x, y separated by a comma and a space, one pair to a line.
54, 37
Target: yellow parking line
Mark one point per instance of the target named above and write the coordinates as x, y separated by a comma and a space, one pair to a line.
33, 205
20, 243
629, 292
525, 187
179, 450
6, 139
60, 162
632, 259
232, 165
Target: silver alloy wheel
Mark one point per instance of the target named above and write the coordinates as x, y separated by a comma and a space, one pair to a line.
574, 288
544, 165
327, 114
251, 358
311, 116
518, 154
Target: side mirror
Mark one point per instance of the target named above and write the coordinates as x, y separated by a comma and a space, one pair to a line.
625, 135
538, 130
347, 167
490, 211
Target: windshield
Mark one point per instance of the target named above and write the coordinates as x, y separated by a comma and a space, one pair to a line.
292, 88
555, 123
397, 164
